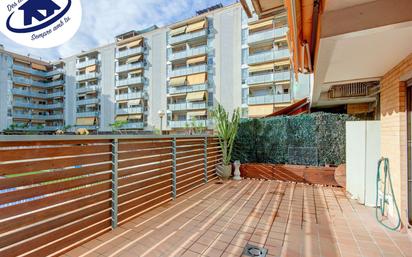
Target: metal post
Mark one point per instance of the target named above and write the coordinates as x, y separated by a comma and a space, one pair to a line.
115, 161
205, 160
174, 169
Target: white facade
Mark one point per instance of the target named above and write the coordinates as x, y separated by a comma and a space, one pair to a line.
226, 64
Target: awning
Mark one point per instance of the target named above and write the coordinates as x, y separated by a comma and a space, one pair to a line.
135, 43
85, 121
91, 69
178, 31
135, 117
195, 60
135, 102
297, 108
261, 24
136, 72
282, 63
21, 60
38, 67
197, 79
178, 81
196, 26
280, 39
56, 77
134, 59
38, 121
121, 118
197, 113
196, 96
263, 67
260, 110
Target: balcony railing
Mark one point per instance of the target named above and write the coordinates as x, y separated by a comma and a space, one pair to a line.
187, 106
70, 198
267, 35
188, 37
27, 81
39, 128
129, 81
37, 72
129, 66
130, 110
87, 76
37, 117
87, 63
133, 125
88, 101
37, 94
268, 78
87, 114
269, 56
187, 89
85, 89
188, 70
189, 123
188, 53
269, 99
130, 96
38, 106
128, 52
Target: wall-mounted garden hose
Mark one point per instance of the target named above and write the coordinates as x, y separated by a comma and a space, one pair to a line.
382, 202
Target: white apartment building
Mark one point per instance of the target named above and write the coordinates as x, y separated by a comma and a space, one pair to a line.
182, 70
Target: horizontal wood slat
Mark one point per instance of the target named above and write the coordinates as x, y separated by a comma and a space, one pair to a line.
57, 194
30, 166
37, 153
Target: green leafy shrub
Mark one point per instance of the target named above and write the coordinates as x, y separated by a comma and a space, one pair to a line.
269, 140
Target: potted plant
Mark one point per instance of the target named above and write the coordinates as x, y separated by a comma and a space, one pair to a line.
226, 131
118, 125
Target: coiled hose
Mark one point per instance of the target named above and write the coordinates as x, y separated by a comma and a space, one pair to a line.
381, 206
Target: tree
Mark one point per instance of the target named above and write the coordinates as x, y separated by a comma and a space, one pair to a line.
118, 125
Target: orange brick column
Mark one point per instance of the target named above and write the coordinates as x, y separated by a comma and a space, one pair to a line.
394, 129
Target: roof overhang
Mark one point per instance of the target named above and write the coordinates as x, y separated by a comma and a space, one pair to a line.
361, 42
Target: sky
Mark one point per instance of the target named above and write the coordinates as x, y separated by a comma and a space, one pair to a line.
104, 19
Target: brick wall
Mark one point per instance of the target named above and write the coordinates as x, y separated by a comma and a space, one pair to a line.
394, 125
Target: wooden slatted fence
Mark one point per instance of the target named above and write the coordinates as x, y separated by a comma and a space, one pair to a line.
56, 193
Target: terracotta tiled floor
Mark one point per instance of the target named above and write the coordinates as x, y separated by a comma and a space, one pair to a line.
286, 218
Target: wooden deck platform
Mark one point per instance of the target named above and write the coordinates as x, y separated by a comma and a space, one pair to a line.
288, 219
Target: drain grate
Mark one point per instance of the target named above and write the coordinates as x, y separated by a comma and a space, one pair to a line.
254, 251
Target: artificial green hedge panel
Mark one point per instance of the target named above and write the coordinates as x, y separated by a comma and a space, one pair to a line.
319, 137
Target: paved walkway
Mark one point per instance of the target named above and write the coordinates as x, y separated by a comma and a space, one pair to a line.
287, 219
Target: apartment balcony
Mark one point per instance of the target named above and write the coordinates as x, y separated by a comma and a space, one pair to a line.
87, 76
129, 52
188, 37
130, 96
32, 71
27, 81
189, 123
40, 128
187, 89
129, 110
188, 53
38, 106
268, 35
268, 56
133, 125
88, 127
129, 66
187, 106
129, 81
88, 101
87, 114
37, 117
188, 70
269, 78
87, 89
29, 93
269, 99
81, 65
